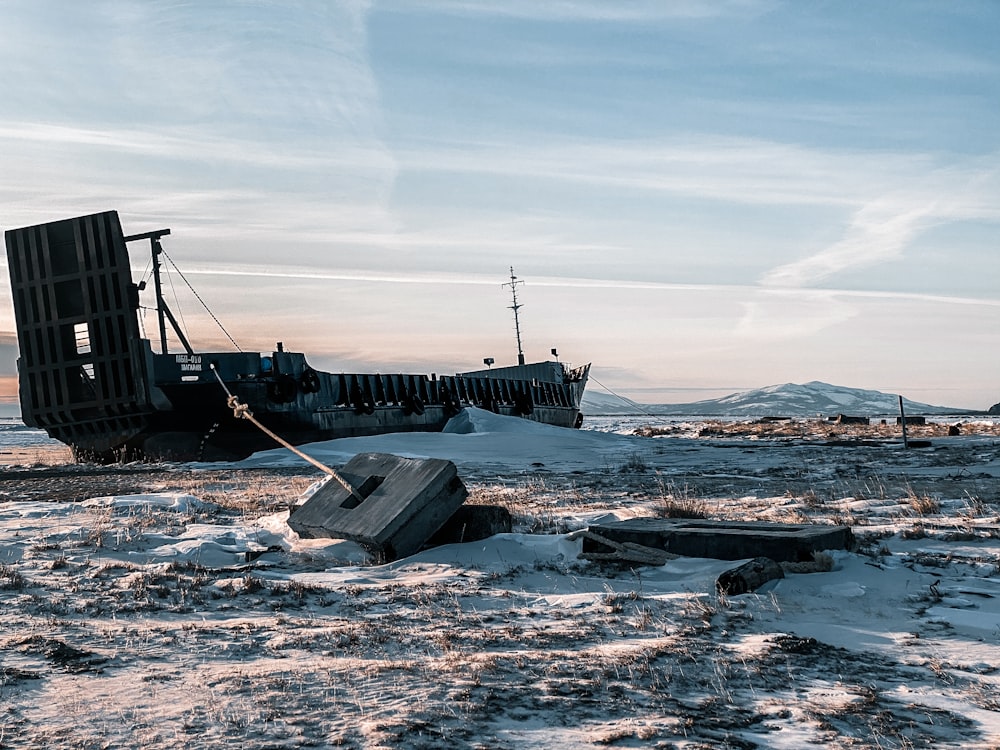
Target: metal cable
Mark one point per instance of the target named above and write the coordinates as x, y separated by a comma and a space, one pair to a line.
198, 297
629, 401
177, 304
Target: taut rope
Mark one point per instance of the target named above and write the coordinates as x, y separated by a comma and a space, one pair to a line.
242, 411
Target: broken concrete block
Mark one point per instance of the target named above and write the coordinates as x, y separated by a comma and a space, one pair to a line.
749, 576
404, 501
724, 540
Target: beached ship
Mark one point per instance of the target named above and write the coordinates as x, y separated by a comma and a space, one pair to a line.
90, 379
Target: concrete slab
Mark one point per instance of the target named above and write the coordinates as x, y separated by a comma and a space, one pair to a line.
405, 500
723, 540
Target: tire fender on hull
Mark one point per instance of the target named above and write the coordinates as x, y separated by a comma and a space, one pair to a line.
283, 389
413, 404
309, 381
363, 403
450, 402
524, 404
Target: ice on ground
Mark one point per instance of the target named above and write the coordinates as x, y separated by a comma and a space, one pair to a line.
474, 437
179, 502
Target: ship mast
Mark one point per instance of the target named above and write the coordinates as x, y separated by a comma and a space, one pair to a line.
515, 307
162, 311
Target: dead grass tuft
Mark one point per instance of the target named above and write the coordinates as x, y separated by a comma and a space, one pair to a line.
922, 504
11, 578
635, 463
679, 502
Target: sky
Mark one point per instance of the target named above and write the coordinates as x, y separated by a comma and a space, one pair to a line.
700, 197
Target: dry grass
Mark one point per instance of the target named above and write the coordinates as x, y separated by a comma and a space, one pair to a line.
679, 501
110, 654
816, 429
36, 455
922, 504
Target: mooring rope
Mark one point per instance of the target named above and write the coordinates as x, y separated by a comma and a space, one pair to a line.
242, 411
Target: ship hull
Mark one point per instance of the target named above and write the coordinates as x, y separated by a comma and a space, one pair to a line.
163, 441
90, 379
195, 422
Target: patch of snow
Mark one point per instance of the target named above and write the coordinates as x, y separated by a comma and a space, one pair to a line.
178, 502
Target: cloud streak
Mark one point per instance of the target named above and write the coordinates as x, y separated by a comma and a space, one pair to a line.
732, 169
410, 278
177, 144
594, 10
882, 229
877, 233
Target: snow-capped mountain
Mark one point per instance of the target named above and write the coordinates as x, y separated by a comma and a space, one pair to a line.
788, 400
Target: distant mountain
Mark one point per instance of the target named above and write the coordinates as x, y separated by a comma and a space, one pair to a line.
788, 400
595, 404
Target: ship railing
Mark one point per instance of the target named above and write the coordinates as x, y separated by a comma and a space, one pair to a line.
367, 391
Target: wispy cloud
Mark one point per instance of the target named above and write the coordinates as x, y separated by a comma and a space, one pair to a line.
180, 144
882, 228
225, 101
740, 170
778, 295
877, 233
888, 198
593, 10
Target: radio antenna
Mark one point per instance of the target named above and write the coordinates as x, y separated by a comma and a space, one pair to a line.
514, 281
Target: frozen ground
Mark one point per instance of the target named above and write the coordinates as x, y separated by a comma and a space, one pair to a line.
186, 613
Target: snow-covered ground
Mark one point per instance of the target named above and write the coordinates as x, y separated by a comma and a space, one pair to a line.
166, 620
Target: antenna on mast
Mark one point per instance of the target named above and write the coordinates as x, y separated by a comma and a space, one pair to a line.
515, 307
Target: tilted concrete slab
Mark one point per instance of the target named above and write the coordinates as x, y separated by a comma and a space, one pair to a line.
405, 500
723, 540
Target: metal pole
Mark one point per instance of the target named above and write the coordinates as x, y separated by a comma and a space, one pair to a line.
902, 420
157, 249
515, 307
